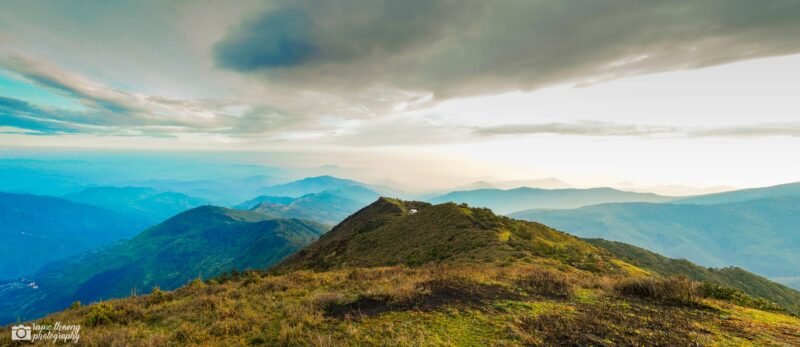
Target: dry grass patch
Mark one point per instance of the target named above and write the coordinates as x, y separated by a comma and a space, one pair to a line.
673, 290
547, 283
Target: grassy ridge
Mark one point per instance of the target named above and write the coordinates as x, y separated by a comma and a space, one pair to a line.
458, 305
732, 277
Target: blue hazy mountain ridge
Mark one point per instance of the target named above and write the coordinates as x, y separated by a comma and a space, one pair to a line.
61, 174
311, 185
149, 205
39, 229
783, 190
225, 192
512, 200
759, 235
328, 206
202, 242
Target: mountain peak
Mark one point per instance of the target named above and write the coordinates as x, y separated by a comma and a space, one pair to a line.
391, 231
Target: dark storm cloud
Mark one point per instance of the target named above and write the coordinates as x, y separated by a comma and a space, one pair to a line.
456, 48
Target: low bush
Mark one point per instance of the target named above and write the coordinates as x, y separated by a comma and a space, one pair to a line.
100, 314
674, 290
547, 283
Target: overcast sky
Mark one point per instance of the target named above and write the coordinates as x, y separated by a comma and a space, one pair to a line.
426, 93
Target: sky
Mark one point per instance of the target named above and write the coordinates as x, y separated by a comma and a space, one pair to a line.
422, 93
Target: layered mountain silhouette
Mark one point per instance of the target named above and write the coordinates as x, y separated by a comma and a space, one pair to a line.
758, 235
38, 229
513, 200
329, 206
199, 243
404, 272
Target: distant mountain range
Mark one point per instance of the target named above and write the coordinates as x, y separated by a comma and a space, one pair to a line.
310, 185
146, 204
783, 190
512, 200
36, 230
325, 207
412, 273
543, 183
225, 192
202, 242
336, 200
760, 235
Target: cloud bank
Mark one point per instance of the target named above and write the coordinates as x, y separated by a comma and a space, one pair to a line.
462, 48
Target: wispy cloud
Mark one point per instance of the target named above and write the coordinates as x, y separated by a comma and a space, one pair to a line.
111, 111
604, 129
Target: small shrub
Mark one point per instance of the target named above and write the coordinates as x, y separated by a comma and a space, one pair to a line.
547, 283
675, 290
75, 305
250, 277
196, 283
100, 314
157, 296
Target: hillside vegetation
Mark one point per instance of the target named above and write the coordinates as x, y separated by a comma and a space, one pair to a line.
467, 278
732, 277
758, 235
201, 242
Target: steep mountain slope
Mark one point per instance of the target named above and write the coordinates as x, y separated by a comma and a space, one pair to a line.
388, 233
201, 242
759, 235
147, 204
463, 276
783, 190
512, 200
37, 230
733, 277
310, 185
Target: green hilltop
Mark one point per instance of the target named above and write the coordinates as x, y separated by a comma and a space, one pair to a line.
388, 233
